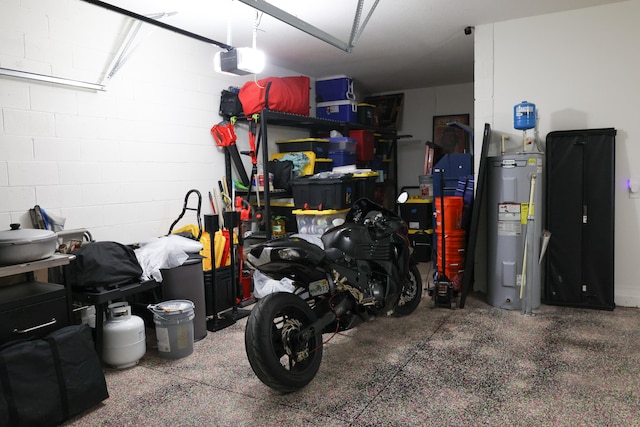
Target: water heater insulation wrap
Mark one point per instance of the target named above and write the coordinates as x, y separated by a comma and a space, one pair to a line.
509, 183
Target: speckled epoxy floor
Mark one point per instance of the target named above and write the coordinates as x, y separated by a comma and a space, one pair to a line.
479, 365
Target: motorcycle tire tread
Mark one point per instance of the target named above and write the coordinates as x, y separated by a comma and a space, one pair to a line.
409, 307
258, 344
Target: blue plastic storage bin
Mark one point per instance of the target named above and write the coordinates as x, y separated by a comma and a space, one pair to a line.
342, 158
336, 88
343, 143
344, 111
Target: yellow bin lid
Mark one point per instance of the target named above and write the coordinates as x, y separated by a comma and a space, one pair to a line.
316, 212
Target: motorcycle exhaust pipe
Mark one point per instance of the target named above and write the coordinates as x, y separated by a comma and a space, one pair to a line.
338, 310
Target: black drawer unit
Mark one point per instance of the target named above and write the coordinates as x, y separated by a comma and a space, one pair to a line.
32, 309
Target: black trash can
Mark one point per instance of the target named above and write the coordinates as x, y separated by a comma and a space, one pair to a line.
186, 282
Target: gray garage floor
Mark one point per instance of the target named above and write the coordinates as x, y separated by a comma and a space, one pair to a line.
478, 365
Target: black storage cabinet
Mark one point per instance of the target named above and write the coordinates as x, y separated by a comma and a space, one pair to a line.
580, 200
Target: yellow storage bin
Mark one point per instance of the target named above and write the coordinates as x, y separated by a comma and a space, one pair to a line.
308, 168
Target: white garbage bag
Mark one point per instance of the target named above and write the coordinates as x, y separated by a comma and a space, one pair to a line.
164, 252
264, 285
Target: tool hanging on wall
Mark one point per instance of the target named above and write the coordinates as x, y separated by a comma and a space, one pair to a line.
225, 136
254, 146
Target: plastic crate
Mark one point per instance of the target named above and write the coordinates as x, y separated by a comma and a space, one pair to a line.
325, 191
320, 146
219, 292
366, 114
418, 213
335, 88
364, 185
343, 143
323, 165
342, 158
365, 146
421, 243
344, 111
317, 222
284, 210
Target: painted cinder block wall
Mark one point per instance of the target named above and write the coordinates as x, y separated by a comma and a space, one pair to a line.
580, 69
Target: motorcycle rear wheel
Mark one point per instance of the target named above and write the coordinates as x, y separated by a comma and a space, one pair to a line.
272, 346
411, 294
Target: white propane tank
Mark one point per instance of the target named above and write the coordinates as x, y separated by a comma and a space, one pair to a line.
124, 340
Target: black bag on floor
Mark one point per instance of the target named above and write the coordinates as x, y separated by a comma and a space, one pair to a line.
103, 265
47, 381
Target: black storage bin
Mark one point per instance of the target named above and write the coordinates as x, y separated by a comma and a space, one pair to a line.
186, 282
323, 191
319, 146
284, 210
580, 189
364, 185
418, 213
222, 296
366, 114
421, 244
322, 165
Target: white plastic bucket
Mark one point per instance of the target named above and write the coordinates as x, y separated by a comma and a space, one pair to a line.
174, 328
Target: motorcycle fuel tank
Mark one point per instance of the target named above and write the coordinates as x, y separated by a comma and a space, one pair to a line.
353, 240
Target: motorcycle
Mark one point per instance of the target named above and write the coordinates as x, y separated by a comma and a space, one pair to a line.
364, 269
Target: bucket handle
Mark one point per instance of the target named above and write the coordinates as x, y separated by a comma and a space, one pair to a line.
151, 307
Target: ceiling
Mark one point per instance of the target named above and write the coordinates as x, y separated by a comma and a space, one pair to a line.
405, 44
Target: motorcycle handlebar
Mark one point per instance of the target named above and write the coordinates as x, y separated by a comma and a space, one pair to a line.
378, 222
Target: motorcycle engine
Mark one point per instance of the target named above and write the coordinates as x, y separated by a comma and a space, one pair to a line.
376, 291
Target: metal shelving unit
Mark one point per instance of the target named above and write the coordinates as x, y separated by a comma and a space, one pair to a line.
315, 125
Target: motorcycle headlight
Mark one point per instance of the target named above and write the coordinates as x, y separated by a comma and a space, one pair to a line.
289, 254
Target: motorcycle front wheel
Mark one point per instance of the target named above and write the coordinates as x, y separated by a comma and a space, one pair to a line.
277, 355
411, 293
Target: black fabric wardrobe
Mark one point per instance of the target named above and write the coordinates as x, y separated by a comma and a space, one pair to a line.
580, 186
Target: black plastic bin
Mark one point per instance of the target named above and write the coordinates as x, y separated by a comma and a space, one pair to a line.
323, 191
187, 282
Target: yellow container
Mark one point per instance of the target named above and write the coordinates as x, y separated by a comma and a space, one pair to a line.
205, 240
308, 168
317, 222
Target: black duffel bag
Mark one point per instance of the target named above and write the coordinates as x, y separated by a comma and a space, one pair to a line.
103, 265
46, 381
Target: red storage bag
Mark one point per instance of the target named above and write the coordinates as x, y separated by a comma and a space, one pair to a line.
284, 94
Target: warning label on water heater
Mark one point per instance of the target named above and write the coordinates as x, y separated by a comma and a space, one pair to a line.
509, 219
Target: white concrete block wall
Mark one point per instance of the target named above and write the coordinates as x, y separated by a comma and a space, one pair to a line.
118, 162
580, 69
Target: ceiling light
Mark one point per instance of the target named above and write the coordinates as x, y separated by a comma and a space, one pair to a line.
239, 61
